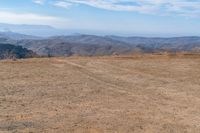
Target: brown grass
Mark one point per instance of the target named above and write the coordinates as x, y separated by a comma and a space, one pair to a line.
119, 94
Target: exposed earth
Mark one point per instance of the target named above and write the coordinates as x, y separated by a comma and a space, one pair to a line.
135, 94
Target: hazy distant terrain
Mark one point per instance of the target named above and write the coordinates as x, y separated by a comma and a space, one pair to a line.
17, 36
34, 30
133, 94
92, 45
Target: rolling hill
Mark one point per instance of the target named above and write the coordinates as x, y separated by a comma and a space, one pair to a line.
17, 36
92, 45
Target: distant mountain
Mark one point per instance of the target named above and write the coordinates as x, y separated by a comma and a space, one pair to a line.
8, 51
88, 39
34, 30
17, 36
153, 40
91, 45
76, 45
108, 45
173, 44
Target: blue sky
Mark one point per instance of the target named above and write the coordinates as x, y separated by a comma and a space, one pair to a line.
120, 17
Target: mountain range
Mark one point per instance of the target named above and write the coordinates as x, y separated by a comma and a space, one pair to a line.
91, 45
34, 30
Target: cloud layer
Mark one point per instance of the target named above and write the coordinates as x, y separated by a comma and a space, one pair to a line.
30, 18
161, 7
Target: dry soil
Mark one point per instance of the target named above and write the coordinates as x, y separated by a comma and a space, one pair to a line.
136, 94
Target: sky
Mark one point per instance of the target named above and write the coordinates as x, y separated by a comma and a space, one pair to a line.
117, 17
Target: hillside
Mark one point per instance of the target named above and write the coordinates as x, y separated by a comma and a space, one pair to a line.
85, 45
17, 36
175, 43
8, 51
109, 45
91, 45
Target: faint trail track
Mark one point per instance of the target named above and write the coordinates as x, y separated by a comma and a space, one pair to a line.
97, 79
120, 89
150, 76
94, 94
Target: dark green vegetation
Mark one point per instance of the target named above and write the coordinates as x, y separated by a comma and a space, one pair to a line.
8, 51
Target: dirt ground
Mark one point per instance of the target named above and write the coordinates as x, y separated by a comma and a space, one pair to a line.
139, 94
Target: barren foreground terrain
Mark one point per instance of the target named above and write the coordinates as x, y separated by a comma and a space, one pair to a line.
147, 94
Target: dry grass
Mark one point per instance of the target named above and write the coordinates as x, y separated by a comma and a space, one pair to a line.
138, 94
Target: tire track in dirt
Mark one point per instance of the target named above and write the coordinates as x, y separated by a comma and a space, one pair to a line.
98, 79
117, 88
146, 75
151, 77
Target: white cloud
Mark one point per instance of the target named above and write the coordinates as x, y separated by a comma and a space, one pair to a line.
162, 7
62, 4
40, 2
29, 18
